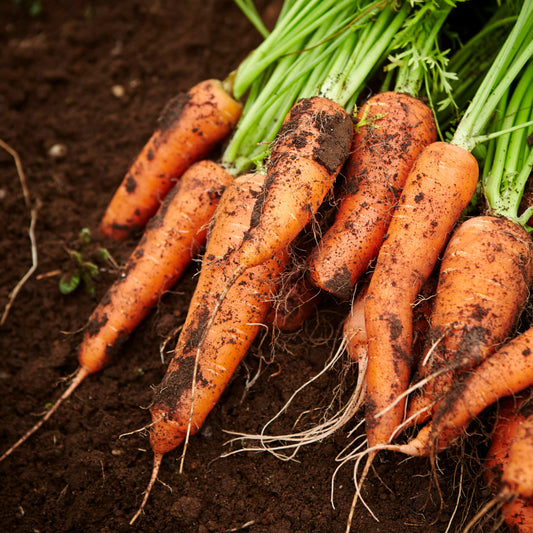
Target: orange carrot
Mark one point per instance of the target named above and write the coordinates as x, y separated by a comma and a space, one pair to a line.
438, 188
173, 237
190, 127
483, 285
393, 128
506, 372
217, 332
509, 463
309, 151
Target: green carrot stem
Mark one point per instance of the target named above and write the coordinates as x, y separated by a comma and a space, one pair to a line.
514, 54
509, 156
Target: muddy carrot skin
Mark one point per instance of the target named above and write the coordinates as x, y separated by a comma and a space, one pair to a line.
172, 239
222, 346
484, 281
439, 186
391, 130
308, 153
189, 128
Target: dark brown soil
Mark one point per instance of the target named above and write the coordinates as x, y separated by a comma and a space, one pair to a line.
57, 73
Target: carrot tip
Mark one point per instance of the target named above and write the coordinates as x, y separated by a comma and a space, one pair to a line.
158, 457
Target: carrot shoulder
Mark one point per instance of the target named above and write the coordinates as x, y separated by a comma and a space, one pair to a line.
306, 156
191, 125
392, 130
438, 188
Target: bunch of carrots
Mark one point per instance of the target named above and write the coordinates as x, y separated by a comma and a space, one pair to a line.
298, 132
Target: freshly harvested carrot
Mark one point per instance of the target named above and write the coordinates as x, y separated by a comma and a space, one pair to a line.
488, 265
509, 463
438, 188
306, 156
393, 128
504, 373
191, 125
173, 237
217, 332
483, 286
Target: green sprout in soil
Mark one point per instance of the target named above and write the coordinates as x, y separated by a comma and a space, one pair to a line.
84, 271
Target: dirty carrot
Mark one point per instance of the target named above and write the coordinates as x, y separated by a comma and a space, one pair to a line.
487, 267
190, 126
509, 461
308, 153
171, 240
217, 332
504, 373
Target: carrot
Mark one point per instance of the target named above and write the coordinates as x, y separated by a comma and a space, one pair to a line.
488, 265
173, 237
509, 461
308, 153
506, 372
483, 286
190, 127
217, 332
395, 127
438, 188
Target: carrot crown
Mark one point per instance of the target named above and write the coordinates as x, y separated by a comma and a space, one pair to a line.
309, 51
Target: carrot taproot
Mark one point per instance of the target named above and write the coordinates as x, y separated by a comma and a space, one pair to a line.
217, 332
508, 464
190, 126
305, 158
483, 286
438, 188
172, 239
394, 127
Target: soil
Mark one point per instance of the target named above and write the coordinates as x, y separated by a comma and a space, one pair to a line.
93, 76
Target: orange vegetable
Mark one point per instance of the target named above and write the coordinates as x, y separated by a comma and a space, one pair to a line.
173, 237
392, 130
438, 188
506, 372
190, 127
306, 156
509, 463
483, 286
217, 332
